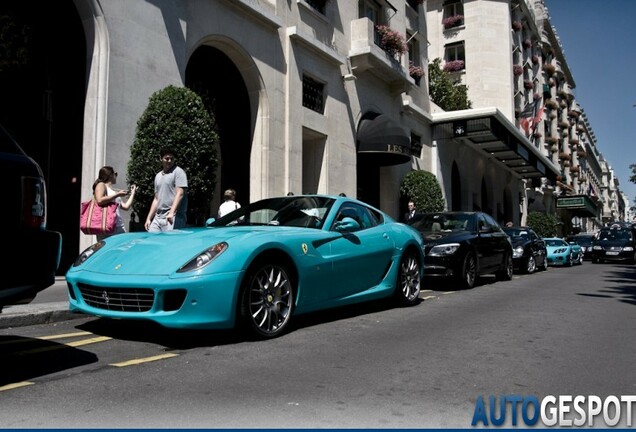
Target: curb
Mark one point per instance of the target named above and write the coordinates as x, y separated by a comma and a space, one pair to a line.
33, 314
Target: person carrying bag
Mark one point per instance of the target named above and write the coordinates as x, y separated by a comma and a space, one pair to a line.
101, 216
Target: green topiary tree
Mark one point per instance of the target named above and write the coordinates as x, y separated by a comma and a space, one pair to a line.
448, 94
175, 117
543, 224
424, 189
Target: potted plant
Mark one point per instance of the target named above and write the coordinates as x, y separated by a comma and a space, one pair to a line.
453, 21
454, 66
527, 44
549, 69
517, 25
517, 70
391, 41
565, 156
535, 59
528, 84
551, 140
551, 104
416, 72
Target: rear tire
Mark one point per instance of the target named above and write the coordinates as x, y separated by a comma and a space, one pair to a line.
407, 290
506, 273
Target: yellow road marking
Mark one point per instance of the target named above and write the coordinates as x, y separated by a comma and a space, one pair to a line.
66, 345
51, 337
88, 341
15, 385
64, 335
428, 297
144, 360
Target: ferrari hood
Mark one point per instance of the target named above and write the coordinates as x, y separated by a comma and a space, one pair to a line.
161, 253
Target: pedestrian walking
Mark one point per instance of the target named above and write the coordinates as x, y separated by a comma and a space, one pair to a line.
168, 208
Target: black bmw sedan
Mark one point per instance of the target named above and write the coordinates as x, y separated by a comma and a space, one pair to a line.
614, 243
461, 246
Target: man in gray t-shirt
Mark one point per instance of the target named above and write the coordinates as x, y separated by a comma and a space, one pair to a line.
168, 208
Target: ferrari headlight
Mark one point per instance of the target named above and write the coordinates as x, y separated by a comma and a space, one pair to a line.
88, 253
444, 249
517, 252
204, 258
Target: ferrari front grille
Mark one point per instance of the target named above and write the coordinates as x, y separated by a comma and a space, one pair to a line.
118, 299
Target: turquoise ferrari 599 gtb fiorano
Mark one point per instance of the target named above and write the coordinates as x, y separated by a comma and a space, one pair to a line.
259, 266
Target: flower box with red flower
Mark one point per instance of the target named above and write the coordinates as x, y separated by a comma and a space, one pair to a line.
454, 66
453, 21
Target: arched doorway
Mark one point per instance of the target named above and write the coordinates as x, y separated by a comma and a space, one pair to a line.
43, 94
213, 75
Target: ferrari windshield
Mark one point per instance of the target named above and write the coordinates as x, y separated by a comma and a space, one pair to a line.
300, 211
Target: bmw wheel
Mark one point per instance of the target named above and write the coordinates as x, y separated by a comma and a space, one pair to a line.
408, 281
506, 272
268, 300
469, 271
531, 264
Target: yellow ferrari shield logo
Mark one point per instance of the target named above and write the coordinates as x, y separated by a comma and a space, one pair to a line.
305, 248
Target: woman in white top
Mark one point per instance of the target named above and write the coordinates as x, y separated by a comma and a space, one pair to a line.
229, 204
104, 193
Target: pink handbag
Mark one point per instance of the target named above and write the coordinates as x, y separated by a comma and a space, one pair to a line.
95, 219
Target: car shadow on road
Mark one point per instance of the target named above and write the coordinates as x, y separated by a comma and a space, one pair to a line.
142, 331
23, 358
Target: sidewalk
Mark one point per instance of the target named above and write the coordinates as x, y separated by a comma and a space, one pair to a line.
38, 313
50, 305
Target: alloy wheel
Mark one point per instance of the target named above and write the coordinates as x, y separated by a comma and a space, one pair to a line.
408, 290
268, 300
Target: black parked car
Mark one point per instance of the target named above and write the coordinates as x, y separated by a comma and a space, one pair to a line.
461, 246
32, 253
528, 249
614, 243
585, 241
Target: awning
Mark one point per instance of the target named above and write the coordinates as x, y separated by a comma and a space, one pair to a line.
382, 141
578, 205
487, 129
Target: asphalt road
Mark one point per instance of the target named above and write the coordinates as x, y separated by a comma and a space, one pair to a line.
567, 331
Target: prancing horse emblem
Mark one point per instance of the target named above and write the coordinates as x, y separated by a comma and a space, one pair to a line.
105, 297
305, 248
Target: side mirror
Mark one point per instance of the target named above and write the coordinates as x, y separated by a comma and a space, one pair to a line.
347, 224
209, 222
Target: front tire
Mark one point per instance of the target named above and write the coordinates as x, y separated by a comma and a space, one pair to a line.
531, 265
468, 271
407, 292
267, 301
